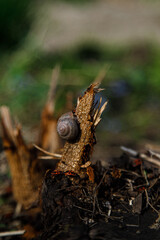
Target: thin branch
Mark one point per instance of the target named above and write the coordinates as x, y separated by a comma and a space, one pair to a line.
130, 172
85, 209
46, 157
12, 233
142, 155
101, 180
154, 154
149, 159
129, 150
95, 192
54, 155
151, 204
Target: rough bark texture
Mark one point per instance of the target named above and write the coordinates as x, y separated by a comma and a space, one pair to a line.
77, 153
23, 162
25, 166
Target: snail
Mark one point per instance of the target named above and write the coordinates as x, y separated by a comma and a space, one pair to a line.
68, 127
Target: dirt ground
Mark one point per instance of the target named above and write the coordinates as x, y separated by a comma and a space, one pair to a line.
62, 25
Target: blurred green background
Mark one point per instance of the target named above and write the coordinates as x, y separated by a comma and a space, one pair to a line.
84, 37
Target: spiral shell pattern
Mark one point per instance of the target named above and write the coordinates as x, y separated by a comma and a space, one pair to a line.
67, 127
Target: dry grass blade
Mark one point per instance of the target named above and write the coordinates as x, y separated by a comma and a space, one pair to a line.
97, 110
98, 117
54, 155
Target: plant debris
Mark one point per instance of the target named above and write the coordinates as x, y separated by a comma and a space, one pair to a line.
79, 200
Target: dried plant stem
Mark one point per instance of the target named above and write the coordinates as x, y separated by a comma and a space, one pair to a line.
151, 204
12, 233
22, 161
143, 156
53, 155
150, 159
129, 151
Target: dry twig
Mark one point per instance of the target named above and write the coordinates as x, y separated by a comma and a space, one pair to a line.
150, 159
12, 233
53, 155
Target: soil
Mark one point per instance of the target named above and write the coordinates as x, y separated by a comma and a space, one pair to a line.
115, 206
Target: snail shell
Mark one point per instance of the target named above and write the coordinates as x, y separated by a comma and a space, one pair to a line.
67, 127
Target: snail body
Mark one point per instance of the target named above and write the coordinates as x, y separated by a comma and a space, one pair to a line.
68, 127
